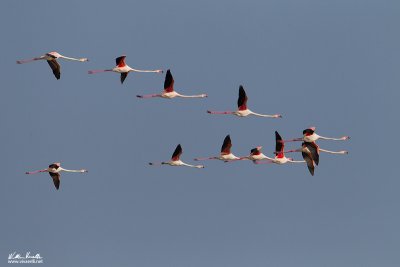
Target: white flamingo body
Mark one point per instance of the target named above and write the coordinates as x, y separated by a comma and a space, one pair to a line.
227, 157
169, 91
51, 59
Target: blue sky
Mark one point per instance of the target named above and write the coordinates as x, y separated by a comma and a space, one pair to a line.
332, 64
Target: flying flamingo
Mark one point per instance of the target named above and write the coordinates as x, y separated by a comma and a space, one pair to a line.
280, 157
51, 58
175, 161
309, 135
317, 149
54, 171
226, 154
243, 111
256, 154
169, 90
122, 68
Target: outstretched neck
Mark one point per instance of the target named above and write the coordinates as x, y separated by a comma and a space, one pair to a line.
136, 70
331, 138
74, 59
266, 116
66, 170
191, 96
334, 152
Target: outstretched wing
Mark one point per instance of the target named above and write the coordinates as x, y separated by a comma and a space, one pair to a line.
308, 132
314, 151
123, 76
226, 146
54, 166
56, 179
242, 100
55, 67
279, 145
177, 153
310, 163
169, 82
255, 151
120, 61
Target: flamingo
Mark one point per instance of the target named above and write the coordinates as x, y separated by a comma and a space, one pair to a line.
169, 90
243, 111
318, 149
51, 58
309, 135
54, 170
280, 157
122, 68
175, 160
256, 154
226, 154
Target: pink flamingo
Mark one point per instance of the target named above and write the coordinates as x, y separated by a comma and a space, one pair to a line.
175, 160
256, 154
243, 111
122, 68
280, 157
51, 59
54, 171
309, 135
169, 90
317, 149
226, 154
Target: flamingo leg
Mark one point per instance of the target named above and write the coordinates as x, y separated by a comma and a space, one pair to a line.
148, 96
28, 60
97, 71
263, 162
33, 172
220, 112
198, 159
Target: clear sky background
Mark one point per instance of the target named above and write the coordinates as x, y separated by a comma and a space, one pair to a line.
332, 64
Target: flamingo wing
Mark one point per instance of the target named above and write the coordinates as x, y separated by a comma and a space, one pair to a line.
56, 179
55, 67
314, 151
177, 153
120, 61
308, 132
279, 145
54, 166
123, 76
242, 100
226, 146
255, 151
169, 82
309, 160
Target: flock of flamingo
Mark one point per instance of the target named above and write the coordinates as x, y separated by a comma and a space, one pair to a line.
309, 148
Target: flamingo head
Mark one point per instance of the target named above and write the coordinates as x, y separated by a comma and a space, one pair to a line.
277, 116
84, 170
83, 59
345, 138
